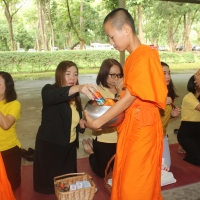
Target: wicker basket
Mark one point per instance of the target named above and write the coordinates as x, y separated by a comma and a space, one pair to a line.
108, 175
79, 194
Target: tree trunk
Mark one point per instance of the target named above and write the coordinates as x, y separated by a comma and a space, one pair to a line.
141, 33
42, 26
9, 20
171, 39
50, 26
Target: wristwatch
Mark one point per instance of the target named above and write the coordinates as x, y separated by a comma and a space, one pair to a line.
117, 95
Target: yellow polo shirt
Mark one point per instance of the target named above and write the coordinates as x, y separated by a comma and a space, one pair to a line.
8, 138
188, 112
108, 135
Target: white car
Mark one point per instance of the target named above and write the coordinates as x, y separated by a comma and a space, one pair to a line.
31, 50
20, 50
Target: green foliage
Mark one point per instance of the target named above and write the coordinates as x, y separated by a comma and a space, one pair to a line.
188, 57
16, 62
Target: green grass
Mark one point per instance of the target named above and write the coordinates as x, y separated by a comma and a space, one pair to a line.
174, 68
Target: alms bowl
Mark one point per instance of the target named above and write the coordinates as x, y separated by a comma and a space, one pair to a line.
95, 111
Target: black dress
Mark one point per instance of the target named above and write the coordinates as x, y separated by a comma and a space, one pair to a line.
54, 154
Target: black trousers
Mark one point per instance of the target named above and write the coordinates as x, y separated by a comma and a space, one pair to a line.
103, 152
52, 160
189, 138
12, 163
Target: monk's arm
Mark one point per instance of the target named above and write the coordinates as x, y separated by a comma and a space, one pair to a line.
114, 111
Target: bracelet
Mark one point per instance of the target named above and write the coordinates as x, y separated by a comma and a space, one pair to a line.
117, 95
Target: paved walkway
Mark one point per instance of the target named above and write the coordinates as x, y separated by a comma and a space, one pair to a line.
29, 94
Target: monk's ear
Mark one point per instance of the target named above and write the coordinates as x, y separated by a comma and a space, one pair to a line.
127, 29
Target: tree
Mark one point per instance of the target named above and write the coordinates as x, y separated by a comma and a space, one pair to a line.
11, 8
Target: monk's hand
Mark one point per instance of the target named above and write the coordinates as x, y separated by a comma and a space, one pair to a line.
90, 122
197, 78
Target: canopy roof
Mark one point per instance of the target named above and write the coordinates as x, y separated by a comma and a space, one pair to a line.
184, 1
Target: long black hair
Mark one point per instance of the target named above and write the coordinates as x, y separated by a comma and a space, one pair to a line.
170, 87
10, 93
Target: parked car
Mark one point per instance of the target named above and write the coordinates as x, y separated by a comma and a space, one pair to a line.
20, 50
31, 50
196, 48
180, 48
162, 48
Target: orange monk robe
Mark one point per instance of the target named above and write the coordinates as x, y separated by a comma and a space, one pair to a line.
6, 192
137, 169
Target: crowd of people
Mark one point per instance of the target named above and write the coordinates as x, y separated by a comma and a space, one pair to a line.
143, 90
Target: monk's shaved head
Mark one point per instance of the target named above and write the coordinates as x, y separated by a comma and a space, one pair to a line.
119, 17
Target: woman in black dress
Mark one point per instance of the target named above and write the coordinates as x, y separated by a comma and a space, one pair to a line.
189, 131
57, 137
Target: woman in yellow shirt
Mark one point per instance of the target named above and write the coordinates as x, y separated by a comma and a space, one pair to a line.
189, 131
170, 111
103, 146
10, 146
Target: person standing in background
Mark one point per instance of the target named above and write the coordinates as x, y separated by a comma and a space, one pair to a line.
10, 146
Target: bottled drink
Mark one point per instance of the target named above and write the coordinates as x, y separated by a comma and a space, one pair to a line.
99, 98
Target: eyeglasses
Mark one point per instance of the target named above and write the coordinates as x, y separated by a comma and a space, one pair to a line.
115, 75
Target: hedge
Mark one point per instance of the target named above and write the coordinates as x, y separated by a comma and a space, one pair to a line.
17, 62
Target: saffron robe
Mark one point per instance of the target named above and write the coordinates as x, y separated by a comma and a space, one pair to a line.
6, 192
137, 168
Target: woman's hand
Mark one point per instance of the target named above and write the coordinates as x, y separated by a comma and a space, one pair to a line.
175, 112
118, 85
169, 100
86, 89
197, 78
90, 122
82, 123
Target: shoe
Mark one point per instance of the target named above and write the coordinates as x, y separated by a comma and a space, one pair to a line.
87, 147
31, 151
89, 141
27, 155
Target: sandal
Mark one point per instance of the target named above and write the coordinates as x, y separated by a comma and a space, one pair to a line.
87, 147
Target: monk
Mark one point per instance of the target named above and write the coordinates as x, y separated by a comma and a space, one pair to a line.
137, 168
5, 187
197, 78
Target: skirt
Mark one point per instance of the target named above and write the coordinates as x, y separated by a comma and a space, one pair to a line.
51, 160
189, 138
